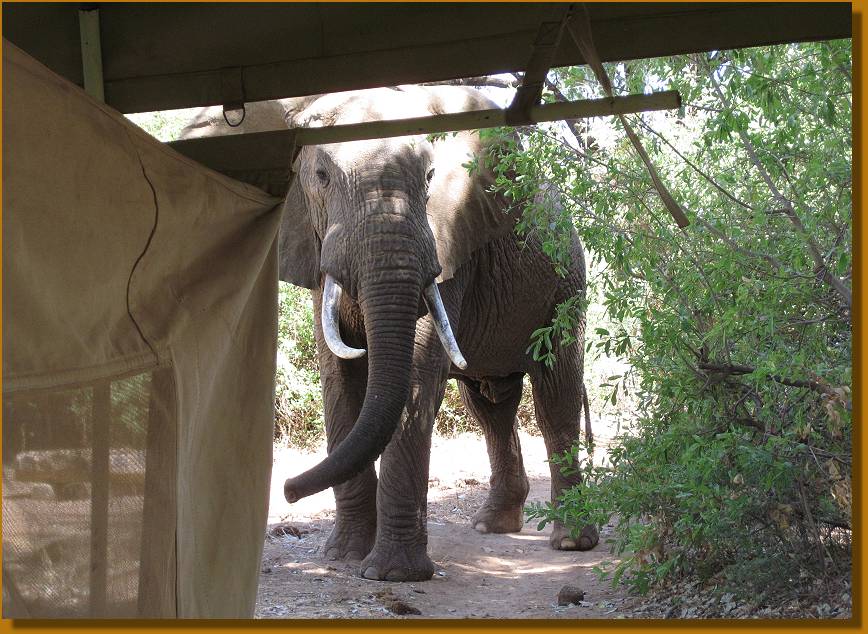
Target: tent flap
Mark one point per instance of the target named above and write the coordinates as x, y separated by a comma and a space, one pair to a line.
139, 338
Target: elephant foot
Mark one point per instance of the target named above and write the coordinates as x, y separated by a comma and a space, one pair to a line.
491, 519
397, 562
350, 541
561, 539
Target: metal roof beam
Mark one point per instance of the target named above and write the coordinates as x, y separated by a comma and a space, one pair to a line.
263, 157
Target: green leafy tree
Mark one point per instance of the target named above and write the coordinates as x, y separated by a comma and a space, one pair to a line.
298, 403
737, 329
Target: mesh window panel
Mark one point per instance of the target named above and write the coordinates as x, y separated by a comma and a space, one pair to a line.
80, 509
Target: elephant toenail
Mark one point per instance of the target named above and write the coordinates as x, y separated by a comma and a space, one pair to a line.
371, 573
396, 575
332, 554
567, 544
482, 527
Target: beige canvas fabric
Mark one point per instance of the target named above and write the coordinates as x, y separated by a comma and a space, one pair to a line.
139, 310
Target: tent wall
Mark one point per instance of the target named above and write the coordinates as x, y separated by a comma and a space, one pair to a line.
139, 337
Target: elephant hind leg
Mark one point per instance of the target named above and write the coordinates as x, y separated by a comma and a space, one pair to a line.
558, 397
494, 404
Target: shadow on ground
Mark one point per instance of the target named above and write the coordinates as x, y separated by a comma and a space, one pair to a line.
478, 576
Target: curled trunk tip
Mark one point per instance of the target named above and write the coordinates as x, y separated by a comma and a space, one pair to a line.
390, 322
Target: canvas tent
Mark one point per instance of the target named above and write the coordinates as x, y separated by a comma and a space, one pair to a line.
139, 287
139, 310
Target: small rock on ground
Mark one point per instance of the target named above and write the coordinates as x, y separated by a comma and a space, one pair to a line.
395, 605
570, 594
283, 529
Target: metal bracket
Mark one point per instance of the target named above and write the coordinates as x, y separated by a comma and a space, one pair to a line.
545, 46
232, 93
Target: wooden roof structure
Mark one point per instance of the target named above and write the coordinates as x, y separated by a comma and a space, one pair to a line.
178, 55
141, 57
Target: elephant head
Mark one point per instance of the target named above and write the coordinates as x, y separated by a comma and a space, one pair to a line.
384, 221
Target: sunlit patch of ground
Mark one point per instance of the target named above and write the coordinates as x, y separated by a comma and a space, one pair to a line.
478, 576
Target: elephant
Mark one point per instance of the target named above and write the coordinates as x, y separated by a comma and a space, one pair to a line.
417, 275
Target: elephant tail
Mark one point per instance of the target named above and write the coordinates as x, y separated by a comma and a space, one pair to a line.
586, 406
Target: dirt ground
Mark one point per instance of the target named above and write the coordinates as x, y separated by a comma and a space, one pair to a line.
478, 576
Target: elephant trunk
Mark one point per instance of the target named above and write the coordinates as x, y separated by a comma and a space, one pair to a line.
389, 300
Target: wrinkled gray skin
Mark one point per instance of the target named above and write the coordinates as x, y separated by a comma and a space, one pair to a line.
385, 218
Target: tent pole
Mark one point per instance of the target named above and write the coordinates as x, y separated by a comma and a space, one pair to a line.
157, 560
99, 497
91, 52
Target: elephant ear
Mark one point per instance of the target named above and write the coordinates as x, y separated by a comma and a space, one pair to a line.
463, 213
299, 246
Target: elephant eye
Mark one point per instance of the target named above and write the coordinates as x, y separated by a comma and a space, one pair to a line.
429, 175
322, 176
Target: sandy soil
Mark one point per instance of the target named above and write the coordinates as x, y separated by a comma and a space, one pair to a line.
478, 576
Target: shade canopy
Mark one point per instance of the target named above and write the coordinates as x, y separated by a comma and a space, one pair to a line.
177, 55
142, 57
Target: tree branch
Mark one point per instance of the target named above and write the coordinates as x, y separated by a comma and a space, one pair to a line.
493, 82
734, 369
773, 261
787, 206
576, 126
707, 177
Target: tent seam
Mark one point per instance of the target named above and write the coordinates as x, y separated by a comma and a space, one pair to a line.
146, 247
70, 378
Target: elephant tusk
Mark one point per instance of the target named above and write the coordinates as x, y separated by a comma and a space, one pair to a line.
331, 301
441, 323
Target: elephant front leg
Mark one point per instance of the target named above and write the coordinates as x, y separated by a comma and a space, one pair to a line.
494, 404
400, 552
356, 499
401, 549
355, 519
344, 384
